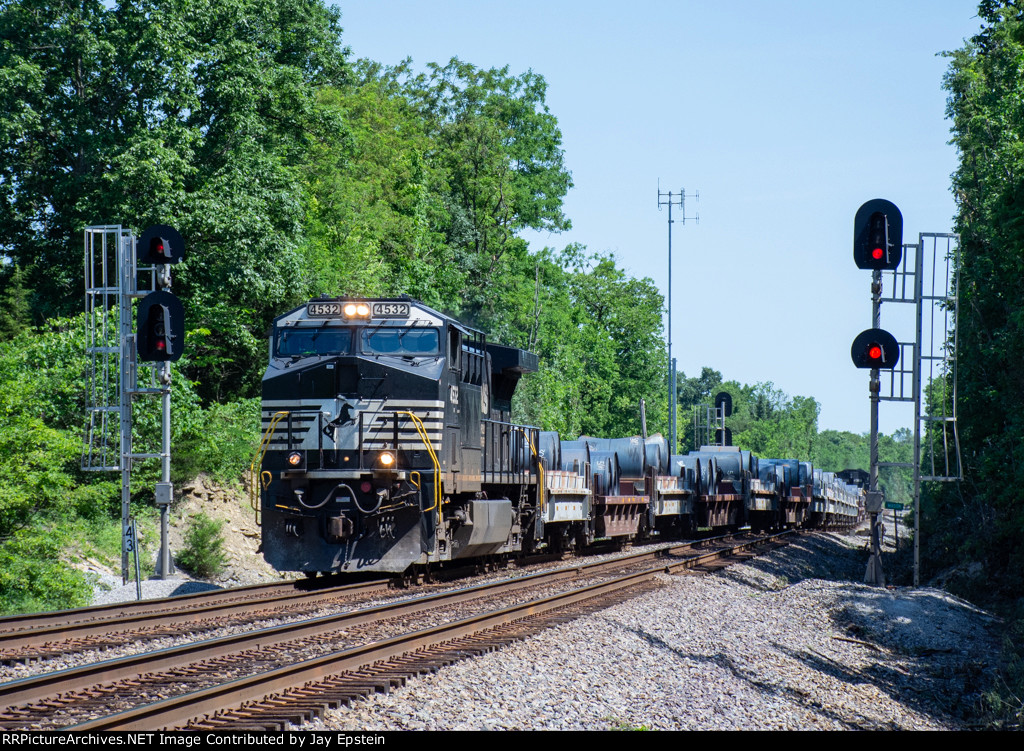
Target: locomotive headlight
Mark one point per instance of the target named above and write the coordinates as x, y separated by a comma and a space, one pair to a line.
295, 459
356, 310
387, 459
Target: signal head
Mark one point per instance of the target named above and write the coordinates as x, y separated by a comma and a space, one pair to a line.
160, 328
160, 244
878, 235
875, 348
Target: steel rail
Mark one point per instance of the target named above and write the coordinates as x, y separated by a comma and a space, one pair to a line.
63, 626
64, 623
26, 621
177, 711
39, 687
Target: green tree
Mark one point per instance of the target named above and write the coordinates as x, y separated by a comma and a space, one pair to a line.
203, 552
376, 206
500, 150
768, 422
836, 450
982, 519
191, 113
598, 334
14, 305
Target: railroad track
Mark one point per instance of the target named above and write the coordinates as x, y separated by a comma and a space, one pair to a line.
41, 636
285, 674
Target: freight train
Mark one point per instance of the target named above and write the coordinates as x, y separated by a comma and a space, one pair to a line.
388, 444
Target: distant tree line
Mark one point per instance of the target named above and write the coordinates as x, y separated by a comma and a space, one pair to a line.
772, 424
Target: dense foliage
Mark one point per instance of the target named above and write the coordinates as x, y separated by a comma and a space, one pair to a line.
984, 519
974, 530
47, 503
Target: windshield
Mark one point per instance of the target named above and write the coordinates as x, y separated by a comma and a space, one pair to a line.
405, 341
319, 341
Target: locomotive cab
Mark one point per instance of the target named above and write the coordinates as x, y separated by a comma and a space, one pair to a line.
376, 421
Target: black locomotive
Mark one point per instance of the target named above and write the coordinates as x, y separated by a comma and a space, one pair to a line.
388, 444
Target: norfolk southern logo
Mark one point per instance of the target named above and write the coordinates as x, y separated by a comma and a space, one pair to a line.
345, 417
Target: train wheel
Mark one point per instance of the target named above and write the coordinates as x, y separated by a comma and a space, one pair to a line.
402, 580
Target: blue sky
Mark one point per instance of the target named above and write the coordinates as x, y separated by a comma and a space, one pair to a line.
785, 116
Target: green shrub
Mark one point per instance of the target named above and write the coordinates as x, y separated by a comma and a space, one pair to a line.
203, 555
33, 578
221, 442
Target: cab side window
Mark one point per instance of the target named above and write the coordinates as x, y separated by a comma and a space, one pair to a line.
454, 348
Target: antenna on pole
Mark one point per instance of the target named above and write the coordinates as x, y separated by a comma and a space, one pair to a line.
671, 199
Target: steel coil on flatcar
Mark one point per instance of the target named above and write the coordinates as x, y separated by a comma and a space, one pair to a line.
604, 467
656, 448
549, 449
631, 455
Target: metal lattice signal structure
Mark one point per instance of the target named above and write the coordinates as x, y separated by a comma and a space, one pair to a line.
709, 426
109, 254
706, 421
938, 308
927, 279
111, 284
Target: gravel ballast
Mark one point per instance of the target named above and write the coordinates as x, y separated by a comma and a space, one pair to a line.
790, 641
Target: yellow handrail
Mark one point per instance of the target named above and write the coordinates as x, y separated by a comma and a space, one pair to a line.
433, 457
256, 480
540, 468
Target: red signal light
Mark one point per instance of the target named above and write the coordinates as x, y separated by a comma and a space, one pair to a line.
157, 248
878, 236
159, 245
875, 349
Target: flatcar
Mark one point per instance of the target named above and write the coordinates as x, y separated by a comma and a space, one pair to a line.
388, 444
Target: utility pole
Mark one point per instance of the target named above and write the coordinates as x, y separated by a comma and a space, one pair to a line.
874, 573
671, 199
